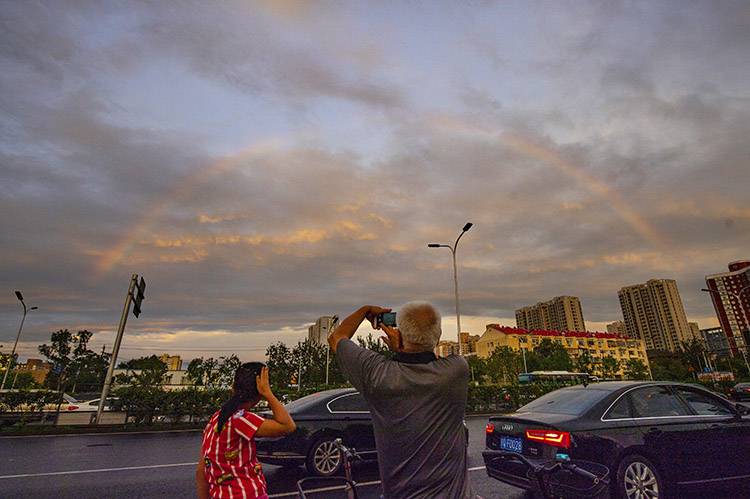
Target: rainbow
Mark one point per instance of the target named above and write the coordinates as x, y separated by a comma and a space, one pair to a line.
550, 157
181, 191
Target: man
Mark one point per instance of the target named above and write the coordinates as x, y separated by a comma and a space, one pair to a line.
417, 402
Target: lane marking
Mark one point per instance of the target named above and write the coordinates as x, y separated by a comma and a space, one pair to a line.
341, 487
145, 432
99, 470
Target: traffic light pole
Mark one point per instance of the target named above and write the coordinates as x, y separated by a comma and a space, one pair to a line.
116, 348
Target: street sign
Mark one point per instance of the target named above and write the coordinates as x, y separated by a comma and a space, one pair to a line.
138, 298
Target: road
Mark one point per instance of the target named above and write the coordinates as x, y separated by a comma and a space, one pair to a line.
149, 465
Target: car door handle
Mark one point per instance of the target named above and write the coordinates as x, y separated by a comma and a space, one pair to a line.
654, 431
715, 426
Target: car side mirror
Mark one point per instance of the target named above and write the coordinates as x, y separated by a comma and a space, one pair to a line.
743, 410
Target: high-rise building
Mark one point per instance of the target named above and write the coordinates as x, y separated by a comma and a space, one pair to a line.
469, 343
716, 341
561, 313
695, 331
445, 348
173, 362
731, 299
617, 327
318, 332
653, 312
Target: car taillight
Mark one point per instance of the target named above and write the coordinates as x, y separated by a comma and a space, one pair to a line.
72, 407
489, 428
747, 389
550, 437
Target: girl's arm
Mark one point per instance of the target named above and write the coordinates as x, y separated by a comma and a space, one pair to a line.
282, 423
200, 480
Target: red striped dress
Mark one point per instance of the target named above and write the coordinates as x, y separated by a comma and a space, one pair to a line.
230, 463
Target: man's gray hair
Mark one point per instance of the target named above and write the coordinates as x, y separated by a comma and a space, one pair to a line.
419, 324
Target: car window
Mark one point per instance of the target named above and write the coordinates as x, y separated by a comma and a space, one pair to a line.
304, 402
704, 403
573, 401
349, 403
621, 409
656, 402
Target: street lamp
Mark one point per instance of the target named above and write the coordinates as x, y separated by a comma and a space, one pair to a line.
455, 276
334, 321
737, 296
13, 353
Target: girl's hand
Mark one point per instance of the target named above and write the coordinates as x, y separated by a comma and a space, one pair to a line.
264, 386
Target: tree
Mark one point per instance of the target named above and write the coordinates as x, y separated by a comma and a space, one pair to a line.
504, 365
636, 369
478, 368
146, 363
549, 356
669, 367
584, 363
375, 344
609, 367
213, 373
72, 360
280, 364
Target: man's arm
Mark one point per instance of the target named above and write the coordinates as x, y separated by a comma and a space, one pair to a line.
348, 326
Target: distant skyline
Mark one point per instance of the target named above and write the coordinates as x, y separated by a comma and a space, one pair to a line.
266, 163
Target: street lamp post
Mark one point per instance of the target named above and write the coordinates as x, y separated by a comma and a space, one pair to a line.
738, 297
455, 277
334, 321
13, 353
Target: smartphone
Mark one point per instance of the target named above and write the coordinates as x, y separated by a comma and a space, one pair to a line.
387, 318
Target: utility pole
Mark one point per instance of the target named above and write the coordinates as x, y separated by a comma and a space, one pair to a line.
12, 359
334, 321
134, 284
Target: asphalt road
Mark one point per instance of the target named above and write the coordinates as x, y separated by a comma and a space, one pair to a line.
162, 465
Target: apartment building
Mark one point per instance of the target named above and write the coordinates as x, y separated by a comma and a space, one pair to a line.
730, 294
173, 362
318, 332
653, 312
561, 313
598, 345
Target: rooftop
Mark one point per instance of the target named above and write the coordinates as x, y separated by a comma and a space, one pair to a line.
570, 334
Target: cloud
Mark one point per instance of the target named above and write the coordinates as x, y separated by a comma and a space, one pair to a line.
375, 150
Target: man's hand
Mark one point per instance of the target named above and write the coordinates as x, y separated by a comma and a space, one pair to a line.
373, 311
348, 326
264, 386
392, 338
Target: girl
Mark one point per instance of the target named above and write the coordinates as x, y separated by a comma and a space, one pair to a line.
228, 467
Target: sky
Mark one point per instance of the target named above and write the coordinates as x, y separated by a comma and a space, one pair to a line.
265, 163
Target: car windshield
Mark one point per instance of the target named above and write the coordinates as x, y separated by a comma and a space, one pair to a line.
573, 401
304, 402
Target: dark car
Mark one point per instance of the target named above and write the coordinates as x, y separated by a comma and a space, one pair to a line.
654, 437
740, 391
321, 418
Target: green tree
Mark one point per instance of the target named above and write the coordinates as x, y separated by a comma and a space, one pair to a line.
375, 344
504, 365
146, 363
280, 365
549, 356
72, 359
584, 363
213, 373
636, 369
609, 367
670, 368
478, 369
310, 359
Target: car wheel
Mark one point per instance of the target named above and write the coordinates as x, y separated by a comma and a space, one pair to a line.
324, 458
638, 478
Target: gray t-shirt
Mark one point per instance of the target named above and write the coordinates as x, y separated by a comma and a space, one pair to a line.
417, 408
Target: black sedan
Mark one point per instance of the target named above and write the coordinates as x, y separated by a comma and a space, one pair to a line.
654, 437
321, 418
740, 391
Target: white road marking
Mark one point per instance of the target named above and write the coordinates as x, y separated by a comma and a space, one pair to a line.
94, 434
341, 487
99, 470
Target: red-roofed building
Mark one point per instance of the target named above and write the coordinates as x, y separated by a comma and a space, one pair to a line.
598, 345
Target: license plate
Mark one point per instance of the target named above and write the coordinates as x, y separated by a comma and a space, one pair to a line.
512, 444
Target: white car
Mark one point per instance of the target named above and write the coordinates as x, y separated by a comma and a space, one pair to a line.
90, 405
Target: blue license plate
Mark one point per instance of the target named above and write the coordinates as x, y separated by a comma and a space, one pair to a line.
512, 444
